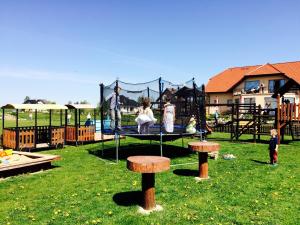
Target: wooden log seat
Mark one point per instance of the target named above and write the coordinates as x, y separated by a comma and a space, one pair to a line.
203, 148
148, 166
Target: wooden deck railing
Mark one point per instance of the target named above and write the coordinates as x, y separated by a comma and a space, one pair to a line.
289, 112
27, 137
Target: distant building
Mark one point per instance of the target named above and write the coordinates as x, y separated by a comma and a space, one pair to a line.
36, 101
253, 84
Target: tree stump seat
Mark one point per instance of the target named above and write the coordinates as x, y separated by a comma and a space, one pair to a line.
148, 166
203, 148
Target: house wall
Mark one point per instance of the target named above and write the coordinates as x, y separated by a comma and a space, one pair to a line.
220, 98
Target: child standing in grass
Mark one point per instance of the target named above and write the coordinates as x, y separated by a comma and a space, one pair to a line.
273, 147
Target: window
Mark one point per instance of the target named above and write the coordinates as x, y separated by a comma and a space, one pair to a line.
249, 100
229, 101
236, 101
275, 85
270, 103
251, 85
289, 100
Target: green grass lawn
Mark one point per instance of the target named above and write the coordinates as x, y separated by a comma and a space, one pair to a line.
85, 188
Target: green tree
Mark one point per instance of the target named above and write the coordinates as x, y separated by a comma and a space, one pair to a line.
26, 98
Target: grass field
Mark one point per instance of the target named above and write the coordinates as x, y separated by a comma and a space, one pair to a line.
85, 188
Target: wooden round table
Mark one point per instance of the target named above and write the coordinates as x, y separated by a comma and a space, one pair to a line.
203, 148
148, 166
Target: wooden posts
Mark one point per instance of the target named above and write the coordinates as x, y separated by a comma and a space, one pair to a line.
259, 122
254, 121
148, 166
66, 124
60, 117
278, 117
237, 122
203, 165
76, 128
35, 128
3, 118
17, 130
232, 119
148, 190
50, 127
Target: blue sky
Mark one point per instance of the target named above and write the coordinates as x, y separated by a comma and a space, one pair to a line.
61, 50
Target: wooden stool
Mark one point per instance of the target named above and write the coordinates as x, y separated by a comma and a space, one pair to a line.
148, 166
203, 148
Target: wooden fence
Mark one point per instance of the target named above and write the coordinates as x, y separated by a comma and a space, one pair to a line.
28, 137
85, 133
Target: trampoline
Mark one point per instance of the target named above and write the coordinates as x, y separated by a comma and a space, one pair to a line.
154, 133
187, 98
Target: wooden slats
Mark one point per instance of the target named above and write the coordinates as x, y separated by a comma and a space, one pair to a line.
289, 112
85, 134
71, 133
26, 139
58, 136
9, 138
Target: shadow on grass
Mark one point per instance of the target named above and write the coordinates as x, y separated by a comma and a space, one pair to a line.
186, 172
240, 141
170, 151
128, 198
259, 162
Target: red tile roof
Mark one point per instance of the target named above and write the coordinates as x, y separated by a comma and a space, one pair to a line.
227, 79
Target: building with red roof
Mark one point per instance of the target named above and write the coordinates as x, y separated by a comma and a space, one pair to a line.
254, 84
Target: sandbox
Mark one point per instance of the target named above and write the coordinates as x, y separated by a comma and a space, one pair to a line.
23, 162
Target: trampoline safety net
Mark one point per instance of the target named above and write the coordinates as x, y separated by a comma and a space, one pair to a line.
120, 104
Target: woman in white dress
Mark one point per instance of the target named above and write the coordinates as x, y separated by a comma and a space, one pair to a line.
169, 116
145, 118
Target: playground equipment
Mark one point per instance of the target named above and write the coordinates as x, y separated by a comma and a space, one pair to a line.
86, 132
37, 136
187, 98
257, 121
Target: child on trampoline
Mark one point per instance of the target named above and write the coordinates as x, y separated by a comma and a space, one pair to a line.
191, 127
273, 147
145, 117
169, 116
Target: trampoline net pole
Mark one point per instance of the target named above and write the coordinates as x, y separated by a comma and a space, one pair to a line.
161, 114
117, 147
102, 115
161, 150
117, 120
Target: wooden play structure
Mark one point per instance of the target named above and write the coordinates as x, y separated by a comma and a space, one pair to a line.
37, 136
288, 115
82, 132
79, 133
255, 120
